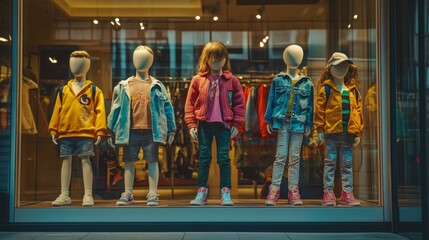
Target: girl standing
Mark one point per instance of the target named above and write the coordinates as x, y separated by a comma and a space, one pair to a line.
214, 108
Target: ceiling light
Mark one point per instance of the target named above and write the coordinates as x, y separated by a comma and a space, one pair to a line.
258, 16
53, 60
264, 40
111, 22
119, 24
10, 37
261, 44
2, 39
355, 16
95, 21
215, 18
197, 17
267, 37
116, 19
349, 26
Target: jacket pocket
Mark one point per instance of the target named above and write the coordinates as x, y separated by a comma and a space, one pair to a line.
280, 95
303, 98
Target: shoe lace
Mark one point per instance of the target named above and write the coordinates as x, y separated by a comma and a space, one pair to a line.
200, 194
350, 197
272, 195
295, 195
151, 196
329, 195
226, 194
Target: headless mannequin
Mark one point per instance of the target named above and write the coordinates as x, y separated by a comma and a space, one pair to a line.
215, 69
79, 67
292, 57
338, 73
143, 60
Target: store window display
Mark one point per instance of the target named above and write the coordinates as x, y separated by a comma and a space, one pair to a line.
339, 121
215, 107
78, 119
290, 112
141, 116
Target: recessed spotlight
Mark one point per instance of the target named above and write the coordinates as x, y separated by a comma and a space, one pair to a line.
264, 40
261, 44
95, 21
111, 22
349, 26
215, 18
2, 39
258, 16
267, 37
197, 17
355, 16
116, 19
53, 60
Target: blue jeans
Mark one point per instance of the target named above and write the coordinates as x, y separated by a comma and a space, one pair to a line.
76, 146
141, 139
339, 146
288, 146
206, 132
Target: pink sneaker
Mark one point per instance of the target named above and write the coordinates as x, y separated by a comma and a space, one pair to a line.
201, 198
273, 196
347, 198
293, 197
329, 198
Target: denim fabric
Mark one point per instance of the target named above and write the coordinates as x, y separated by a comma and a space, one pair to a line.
141, 139
339, 146
288, 147
163, 123
206, 132
278, 100
76, 146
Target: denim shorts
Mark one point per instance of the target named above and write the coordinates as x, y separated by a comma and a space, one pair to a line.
141, 139
76, 146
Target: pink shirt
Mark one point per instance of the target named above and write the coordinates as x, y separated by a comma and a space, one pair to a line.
141, 117
213, 105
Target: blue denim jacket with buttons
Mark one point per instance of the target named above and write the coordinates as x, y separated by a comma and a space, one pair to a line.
302, 107
119, 119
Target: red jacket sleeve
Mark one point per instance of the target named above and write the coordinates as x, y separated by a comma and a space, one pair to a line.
193, 92
238, 104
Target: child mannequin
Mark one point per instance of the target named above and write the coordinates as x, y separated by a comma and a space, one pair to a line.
290, 110
214, 108
77, 119
339, 121
141, 117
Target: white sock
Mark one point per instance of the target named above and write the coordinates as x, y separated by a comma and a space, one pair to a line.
66, 171
153, 177
87, 175
129, 173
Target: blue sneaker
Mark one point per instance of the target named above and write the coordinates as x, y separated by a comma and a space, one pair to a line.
201, 198
126, 199
152, 199
226, 197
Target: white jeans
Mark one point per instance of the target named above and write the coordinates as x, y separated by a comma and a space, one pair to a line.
288, 145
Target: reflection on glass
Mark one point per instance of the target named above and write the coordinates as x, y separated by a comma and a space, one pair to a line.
177, 44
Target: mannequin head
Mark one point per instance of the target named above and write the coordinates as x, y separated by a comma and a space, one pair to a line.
79, 63
214, 58
340, 67
143, 58
292, 56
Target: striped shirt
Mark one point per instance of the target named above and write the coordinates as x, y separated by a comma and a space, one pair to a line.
345, 101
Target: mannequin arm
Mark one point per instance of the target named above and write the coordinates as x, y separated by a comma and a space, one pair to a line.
234, 132
307, 131
97, 141
194, 134
170, 139
110, 142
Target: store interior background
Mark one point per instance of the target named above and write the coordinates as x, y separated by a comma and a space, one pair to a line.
55, 28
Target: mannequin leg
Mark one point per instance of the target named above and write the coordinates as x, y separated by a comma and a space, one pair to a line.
66, 171
129, 174
153, 177
87, 175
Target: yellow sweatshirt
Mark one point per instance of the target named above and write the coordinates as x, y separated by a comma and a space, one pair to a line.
76, 115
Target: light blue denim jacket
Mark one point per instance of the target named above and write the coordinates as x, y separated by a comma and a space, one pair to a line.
278, 100
119, 119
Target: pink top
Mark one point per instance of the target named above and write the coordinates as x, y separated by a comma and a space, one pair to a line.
140, 104
213, 105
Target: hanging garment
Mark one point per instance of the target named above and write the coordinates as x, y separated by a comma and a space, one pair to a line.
27, 119
262, 107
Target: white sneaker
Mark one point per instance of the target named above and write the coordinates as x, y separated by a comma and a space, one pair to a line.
152, 199
62, 200
126, 199
87, 200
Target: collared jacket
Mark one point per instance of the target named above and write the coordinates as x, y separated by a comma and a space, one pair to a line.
230, 96
80, 115
119, 119
328, 116
302, 106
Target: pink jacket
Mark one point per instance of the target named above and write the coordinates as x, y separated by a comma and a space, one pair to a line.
231, 100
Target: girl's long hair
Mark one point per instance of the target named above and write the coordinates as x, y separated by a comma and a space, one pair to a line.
213, 51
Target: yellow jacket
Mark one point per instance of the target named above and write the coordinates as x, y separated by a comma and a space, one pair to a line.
79, 115
328, 117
